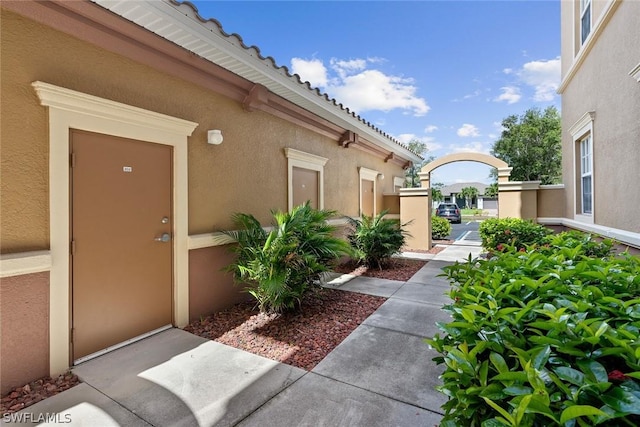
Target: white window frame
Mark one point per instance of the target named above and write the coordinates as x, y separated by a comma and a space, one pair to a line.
586, 171
580, 132
584, 6
369, 175
300, 159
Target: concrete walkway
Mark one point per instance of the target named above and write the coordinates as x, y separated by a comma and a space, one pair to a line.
381, 375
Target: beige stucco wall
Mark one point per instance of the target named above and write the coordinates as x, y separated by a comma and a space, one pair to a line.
518, 204
24, 330
211, 288
414, 210
247, 173
603, 85
391, 203
551, 202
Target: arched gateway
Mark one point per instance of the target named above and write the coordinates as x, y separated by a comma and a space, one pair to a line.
415, 203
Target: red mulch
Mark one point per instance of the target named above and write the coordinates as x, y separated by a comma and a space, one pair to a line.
301, 338
21, 397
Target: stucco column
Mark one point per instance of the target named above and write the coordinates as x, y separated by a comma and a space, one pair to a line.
518, 199
415, 209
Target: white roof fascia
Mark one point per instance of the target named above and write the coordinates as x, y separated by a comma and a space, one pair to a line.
179, 24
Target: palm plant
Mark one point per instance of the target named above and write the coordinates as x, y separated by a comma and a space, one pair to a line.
375, 239
469, 193
280, 265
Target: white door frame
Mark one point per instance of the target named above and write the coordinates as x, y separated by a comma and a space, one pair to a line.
69, 109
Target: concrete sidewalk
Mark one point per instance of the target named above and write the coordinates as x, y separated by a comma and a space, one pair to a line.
381, 375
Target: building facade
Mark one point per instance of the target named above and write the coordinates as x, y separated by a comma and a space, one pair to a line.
131, 132
601, 117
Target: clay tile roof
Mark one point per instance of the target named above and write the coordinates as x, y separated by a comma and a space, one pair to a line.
245, 61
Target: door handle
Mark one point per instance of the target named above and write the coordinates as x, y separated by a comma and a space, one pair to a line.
166, 237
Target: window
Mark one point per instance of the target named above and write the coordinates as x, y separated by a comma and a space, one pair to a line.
586, 183
305, 178
584, 190
585, 20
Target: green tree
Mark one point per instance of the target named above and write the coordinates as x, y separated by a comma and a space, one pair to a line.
411, 175
469, 193
531, 145
492, 190
436, 192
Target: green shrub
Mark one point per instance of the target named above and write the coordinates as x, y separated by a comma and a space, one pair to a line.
282, 264
496, 233
589, 245
542, 338
375, 239
440, 228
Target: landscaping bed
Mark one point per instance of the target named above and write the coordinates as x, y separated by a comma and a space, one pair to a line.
28, 394
301, 338
304, 337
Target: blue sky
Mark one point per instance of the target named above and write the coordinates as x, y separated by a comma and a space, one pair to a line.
443, 72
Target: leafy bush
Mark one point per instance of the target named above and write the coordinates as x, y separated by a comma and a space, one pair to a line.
496, 233
280, 265
590, 246
440, 228
542, 338
375, 239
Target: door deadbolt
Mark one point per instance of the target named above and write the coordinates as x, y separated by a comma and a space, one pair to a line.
165, 220
166, 237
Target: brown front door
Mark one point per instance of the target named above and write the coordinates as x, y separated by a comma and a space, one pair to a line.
121, 275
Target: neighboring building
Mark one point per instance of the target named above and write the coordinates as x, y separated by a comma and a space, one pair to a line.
116, 185
452, 194
601, 117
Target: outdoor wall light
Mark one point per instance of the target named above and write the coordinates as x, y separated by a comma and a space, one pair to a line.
214, 136
380, 176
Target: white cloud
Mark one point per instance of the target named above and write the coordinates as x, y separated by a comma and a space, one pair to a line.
362, 89
374, 90
508, 70
473, 147
430, 128
312, 70
432, 146
510, 94
405, 138
468, 130
543, 76
475, 93
345, 68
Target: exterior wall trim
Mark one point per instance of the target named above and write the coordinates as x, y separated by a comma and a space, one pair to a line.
622, 236
414, 192
596, 31
69, 109
519, 185
578, 128
300, 159
24, 263
208, 240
